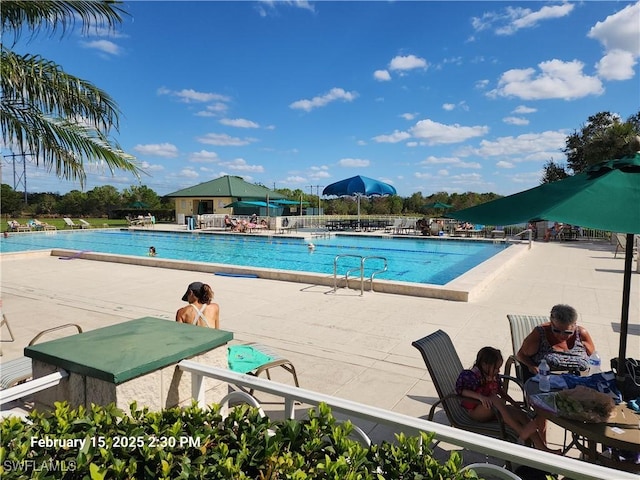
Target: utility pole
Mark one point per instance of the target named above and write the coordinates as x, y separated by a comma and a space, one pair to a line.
20, 178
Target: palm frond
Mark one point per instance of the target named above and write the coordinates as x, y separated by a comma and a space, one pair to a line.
51, 16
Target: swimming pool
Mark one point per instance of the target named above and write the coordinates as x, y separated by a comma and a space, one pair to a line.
415, 260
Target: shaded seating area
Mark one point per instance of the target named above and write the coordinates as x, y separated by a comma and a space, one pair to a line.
444, 366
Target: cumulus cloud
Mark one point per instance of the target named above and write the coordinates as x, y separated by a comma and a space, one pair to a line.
515, 121
512, 19
450, 161
555, 79
353, 162
240, 164
620, 30
407, 62
529, 146
166, 150
222, 139
395, 137
213, 110
505, 164
204, 156
409, 116
189, 95
523, 110
448, 106
333, 95
437, 133
616, 65
382, 75
105, 46
239, 123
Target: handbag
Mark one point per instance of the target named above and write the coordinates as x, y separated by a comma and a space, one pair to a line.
631, 370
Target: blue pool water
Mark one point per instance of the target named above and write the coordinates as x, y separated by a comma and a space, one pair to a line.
409, 259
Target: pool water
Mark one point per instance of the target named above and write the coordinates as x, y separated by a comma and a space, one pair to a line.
416, 260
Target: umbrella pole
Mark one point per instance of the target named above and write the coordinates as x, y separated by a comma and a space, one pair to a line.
624, 316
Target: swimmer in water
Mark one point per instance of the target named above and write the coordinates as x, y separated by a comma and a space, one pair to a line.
152, 251
311, 246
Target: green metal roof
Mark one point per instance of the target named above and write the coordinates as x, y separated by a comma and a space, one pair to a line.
227, 186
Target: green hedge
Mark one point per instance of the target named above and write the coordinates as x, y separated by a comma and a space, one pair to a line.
192, 443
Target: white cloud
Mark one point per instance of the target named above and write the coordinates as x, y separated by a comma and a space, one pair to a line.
322, 100
481, 84
204, 156
149, 167
408, 62
395, 137
213, 110
295, 179
620, 30
353, 162
409, 116
557, 79
188, 173
513, 19
617, 65
437, 133
239, 123
382, 75
240, 164
166, 150
448, 106
515, 121
189, 95
529, 146
505, 164
451, 161
223, 139
104, 46
522, 110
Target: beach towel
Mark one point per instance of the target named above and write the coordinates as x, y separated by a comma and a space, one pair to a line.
244, 358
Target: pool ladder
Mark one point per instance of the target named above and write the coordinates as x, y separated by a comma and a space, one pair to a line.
355, 269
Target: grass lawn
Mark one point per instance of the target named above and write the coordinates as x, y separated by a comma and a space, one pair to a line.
60, 225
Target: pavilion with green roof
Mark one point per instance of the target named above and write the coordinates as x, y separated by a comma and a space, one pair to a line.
211, 197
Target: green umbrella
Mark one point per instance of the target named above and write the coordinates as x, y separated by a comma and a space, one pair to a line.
605, 197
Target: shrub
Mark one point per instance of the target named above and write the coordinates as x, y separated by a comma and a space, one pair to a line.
184, 443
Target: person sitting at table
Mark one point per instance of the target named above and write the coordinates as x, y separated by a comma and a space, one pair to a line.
482, 383
200, 311
561, 341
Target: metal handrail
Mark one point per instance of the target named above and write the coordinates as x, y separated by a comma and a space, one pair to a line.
335, 270
527, 231
570, 467
377, 271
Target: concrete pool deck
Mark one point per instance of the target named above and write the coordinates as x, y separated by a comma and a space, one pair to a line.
346, 345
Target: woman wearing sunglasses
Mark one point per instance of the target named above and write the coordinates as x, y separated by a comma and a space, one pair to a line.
561, 341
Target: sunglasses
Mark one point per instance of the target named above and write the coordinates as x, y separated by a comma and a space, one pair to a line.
557, 331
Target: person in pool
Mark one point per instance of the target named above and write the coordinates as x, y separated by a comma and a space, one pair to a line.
152, 251
201, 310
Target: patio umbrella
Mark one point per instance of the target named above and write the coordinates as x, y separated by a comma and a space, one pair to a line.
359, 186
606, 197
439, 205
138, 205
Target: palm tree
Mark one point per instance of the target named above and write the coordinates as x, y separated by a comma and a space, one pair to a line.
62, 121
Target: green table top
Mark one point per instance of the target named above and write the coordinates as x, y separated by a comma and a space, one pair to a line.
127, 350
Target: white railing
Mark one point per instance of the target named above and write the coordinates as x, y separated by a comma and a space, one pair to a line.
528, 232
32, 386
575, 469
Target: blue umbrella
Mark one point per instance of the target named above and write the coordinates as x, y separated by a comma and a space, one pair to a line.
359, 186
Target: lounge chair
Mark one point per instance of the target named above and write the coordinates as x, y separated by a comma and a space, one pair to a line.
621, 244
70, 223
84, 224
19, 369
15, 226
521, 326
38, 225
444, 366
255, 359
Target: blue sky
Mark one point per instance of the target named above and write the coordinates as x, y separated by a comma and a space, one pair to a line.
428, 96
